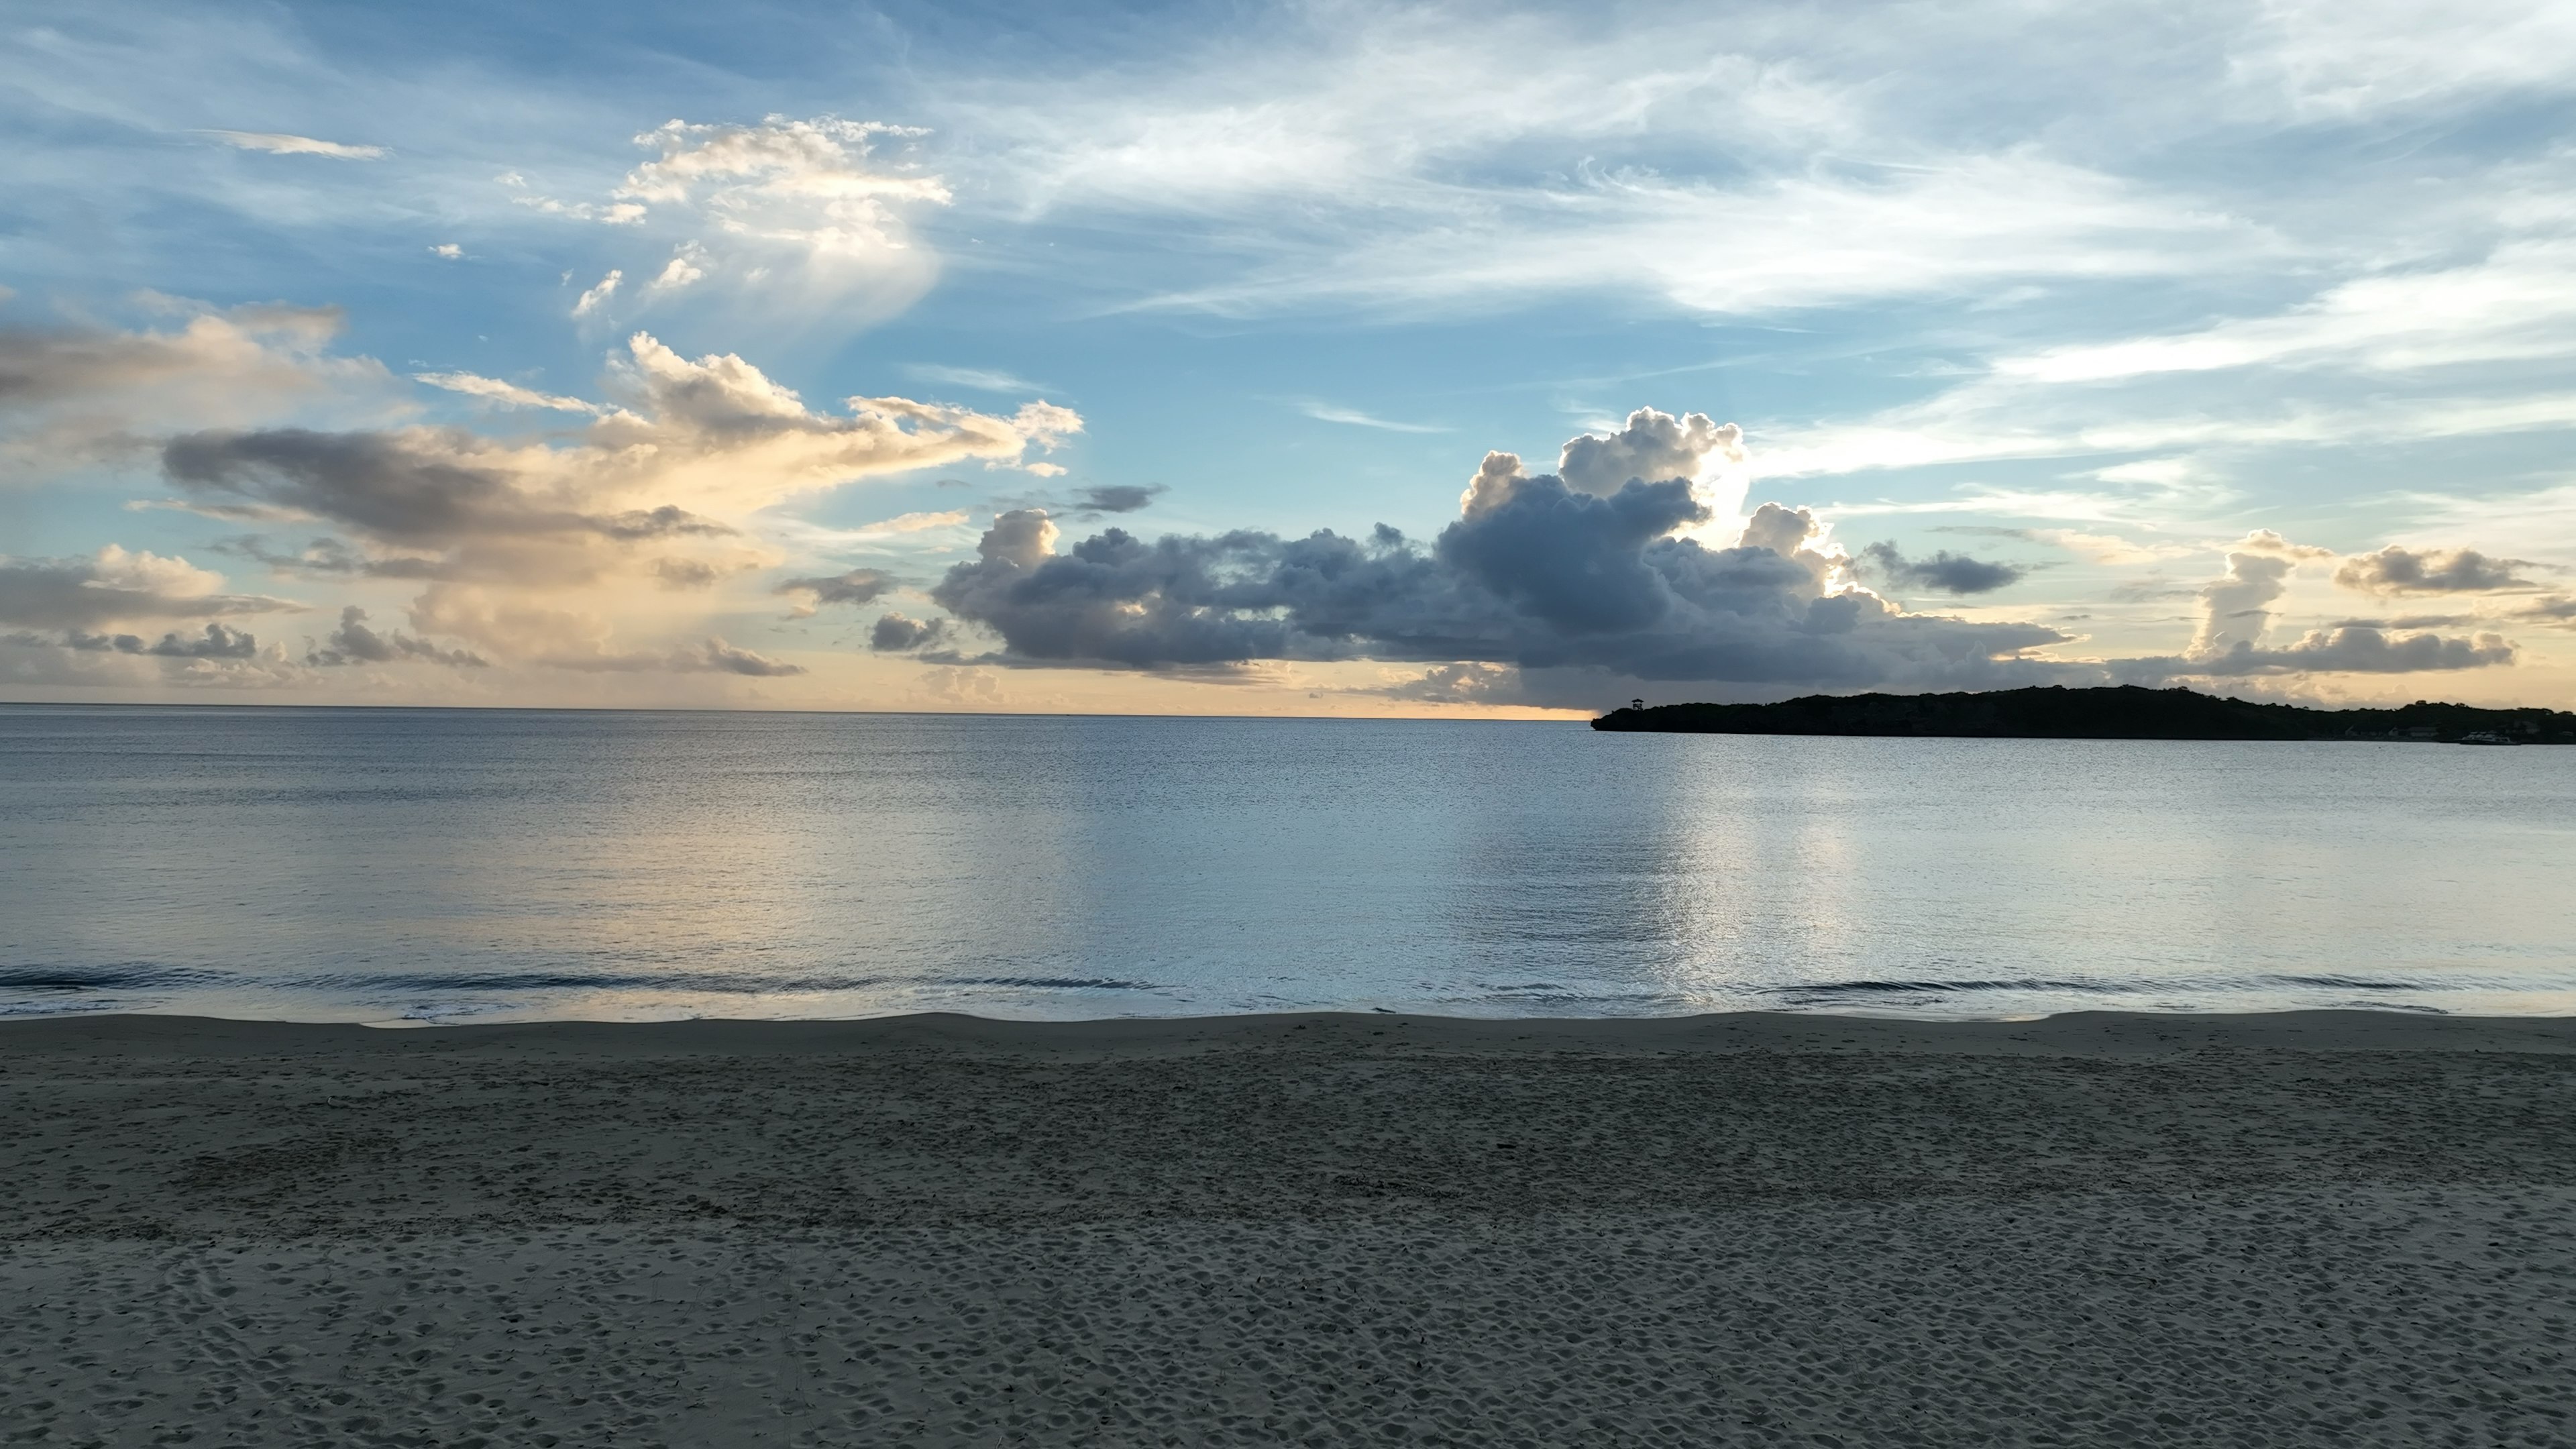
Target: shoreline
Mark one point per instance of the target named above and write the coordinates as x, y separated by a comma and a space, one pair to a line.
2079, 1033
2293, 1228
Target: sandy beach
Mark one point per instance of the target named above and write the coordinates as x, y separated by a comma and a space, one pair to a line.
2325, 1228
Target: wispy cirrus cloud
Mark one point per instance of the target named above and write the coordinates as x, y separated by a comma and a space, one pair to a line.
1324, 412
278, 143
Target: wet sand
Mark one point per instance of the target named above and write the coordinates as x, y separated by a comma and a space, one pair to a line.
2323, 1228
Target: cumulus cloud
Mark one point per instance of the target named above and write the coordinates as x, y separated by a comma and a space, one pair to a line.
858, 586
448, 251
1651, 447
2344, 649
2396, 570
116, 586
1534, 573
355, 643
1944, 572
278, 143
2237, 608
687, 265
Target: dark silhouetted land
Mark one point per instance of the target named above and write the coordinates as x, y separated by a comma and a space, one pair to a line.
2113, 712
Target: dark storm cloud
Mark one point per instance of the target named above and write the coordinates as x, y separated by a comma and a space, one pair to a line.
354, 643
329, 557
858, 586
894, 633
407, 490
1534, 574
1944, 572
217, 642
2395, 570
1118, 498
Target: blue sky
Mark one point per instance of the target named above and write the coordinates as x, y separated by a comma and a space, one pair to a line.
2219, 345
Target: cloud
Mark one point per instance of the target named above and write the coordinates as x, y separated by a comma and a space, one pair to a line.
2396, 570
894, 633
1944, 572
980, 379
521, 540
1119, 498
77, 395
858, 586
1738, 163
508, 394
1353, 417
1650, 447
450, 251
279, 144
217, 642
116, 586
714, 436
2518, 302
2104, 548
682, 574
597, 297
797, 220
2237, 608
717, 656
2345, 649
687, 265
1534, 573
354, 643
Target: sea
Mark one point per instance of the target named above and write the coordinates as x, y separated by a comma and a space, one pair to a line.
425, 866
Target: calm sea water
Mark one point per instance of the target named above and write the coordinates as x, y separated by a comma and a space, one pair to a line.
384, 865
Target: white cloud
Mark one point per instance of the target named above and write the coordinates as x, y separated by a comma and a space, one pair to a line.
1353, 417
2518, 303
2355, 58
978, 378
597, 297
279, 144
449, 250
688, 264
508, 394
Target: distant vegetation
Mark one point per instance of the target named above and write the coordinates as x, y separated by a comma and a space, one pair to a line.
2117, 712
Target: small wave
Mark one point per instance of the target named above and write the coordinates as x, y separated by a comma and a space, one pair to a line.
710, 982
1053, 983
123, 976
2346, 983
1831, 989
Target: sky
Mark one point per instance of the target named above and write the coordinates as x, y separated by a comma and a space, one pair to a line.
1284, 359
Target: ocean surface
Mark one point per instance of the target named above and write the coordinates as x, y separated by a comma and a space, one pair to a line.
453, 865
